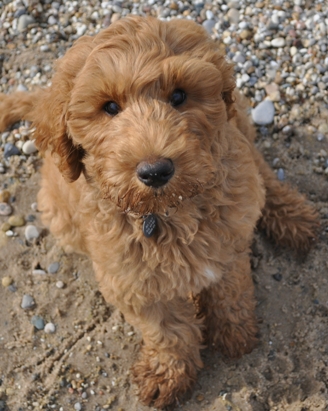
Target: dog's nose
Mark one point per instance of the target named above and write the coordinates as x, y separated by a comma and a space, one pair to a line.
157, 173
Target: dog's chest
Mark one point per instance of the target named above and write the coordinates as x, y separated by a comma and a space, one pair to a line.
186, 259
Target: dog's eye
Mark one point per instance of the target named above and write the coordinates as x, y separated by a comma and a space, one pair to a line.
177, 97
112, 108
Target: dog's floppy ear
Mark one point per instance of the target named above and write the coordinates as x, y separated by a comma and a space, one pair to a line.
229, 83
184, 36
49, 113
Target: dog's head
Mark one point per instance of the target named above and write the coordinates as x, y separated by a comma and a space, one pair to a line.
139, 109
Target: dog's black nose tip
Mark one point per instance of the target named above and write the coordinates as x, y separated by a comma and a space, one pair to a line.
157, 173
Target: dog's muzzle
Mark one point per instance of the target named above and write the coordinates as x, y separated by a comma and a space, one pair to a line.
155, 174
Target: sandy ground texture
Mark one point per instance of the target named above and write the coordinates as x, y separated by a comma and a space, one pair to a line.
84, 364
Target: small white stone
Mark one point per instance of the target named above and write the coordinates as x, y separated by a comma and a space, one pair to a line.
60, 284
278, 42
29, 147
77, 406
293, 50
263, 113
44, 47
32, 232
49, 328
34, 206
38, 271
209, 15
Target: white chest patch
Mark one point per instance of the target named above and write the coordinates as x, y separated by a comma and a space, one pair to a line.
209, 274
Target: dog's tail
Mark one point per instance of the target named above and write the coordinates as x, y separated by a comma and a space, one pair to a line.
16, 106
287, 217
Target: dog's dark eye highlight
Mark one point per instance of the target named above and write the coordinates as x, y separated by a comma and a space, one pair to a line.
112, 108
177, 97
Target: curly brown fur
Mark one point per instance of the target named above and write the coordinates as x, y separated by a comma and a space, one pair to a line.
93, 201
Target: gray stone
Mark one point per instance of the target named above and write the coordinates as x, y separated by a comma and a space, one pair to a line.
24, 21
21, 87
5, 209
281, 174
27, 302
53, 267
209, 25
263, 113
233, 16
52, 20
11, 150
77, 406
4, 136
38, 322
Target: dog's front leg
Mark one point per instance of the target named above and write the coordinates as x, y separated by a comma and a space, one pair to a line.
229, 310
169, 358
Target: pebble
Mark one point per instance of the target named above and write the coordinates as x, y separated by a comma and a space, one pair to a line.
281, 174
16, 220
6, 281
277, 277
21, 87
209, 25
77, 406
49, 328
278, 42
323, 128
29, 147
11, 150
32, 232
38, 322
24, 21
27, 302
44, 48
52, 20
209, 15
233, 16
263, 113
4, 136
60, 284
34, 207
5, 209
12, 288
38, 271
53, 267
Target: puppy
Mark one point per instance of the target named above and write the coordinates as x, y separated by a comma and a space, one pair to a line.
150, 169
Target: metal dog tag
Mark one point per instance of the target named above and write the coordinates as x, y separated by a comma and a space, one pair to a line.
149, 225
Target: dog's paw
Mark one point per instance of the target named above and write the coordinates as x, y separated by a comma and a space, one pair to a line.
296, 229
162, 379
233, 340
